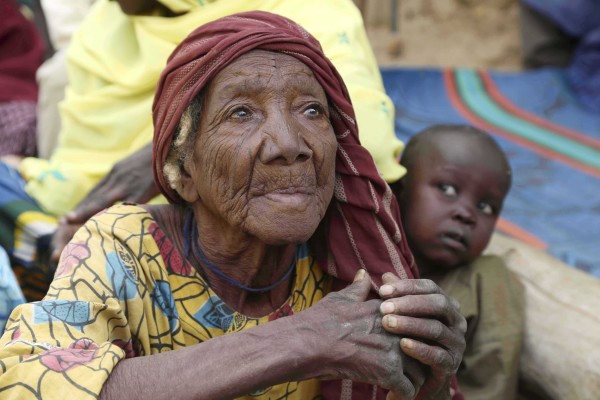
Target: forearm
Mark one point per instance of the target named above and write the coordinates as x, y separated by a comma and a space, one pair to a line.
223, 367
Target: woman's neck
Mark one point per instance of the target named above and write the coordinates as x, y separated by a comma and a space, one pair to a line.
249, 262
252, 282
246, 262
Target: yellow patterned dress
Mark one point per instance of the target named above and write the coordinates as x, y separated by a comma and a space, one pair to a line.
123, 290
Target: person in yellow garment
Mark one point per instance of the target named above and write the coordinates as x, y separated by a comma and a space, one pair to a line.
230, 289
114, 61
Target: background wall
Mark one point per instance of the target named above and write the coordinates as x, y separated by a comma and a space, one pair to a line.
466, 33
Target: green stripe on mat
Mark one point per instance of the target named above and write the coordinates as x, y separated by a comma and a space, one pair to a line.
473, 94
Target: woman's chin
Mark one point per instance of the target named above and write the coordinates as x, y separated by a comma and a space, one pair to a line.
283, 228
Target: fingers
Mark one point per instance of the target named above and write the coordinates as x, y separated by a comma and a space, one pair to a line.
419, 298
428, 355
420, 328
435, 357
99, 199
129, 180
416, 372
437, 321
393, 286
404, 388
437, 306
429, 322
359, 290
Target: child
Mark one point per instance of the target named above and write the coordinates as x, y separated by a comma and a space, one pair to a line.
450, 200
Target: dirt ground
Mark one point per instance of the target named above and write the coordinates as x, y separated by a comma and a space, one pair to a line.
461, 33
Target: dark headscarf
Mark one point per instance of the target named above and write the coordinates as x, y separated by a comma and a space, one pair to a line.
21, 53
362, 225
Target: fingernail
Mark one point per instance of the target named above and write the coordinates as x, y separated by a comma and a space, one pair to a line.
408, 343
386, 307
391, 322
386, 290
359, 275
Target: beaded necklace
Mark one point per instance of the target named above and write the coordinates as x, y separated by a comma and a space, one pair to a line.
192, 243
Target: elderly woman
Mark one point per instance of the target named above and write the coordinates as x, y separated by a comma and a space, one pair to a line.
274, 204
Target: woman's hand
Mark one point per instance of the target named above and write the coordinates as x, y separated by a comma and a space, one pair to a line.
431, 327
346, 331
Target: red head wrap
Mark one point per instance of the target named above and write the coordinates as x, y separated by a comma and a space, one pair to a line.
21, 53
362, 228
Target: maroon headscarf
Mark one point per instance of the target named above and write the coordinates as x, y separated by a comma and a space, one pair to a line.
21, 53
362, 227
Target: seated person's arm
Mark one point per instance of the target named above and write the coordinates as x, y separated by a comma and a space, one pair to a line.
129, 180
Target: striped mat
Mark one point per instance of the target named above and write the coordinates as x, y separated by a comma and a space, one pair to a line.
552, 143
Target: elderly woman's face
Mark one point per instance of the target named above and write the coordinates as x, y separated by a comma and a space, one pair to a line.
264, 160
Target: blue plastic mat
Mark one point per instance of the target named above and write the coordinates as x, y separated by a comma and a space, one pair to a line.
553, 145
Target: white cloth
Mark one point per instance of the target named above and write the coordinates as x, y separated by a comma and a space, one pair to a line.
63, 17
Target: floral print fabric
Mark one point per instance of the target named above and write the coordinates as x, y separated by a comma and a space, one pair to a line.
123, 290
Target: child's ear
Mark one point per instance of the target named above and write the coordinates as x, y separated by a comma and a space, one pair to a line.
188, 189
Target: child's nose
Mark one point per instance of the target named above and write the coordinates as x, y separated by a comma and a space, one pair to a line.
465, 213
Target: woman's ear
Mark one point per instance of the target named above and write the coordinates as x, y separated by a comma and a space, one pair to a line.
188, 186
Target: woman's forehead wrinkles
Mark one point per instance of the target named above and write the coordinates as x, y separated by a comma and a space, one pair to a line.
260, 78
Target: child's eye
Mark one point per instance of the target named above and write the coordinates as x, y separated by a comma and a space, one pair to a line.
486, 208
448, 190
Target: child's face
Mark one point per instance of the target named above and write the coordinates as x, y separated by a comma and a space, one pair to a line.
450, 204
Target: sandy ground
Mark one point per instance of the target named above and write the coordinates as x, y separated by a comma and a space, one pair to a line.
462, 33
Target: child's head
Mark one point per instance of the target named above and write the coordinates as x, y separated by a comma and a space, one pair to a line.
452, 194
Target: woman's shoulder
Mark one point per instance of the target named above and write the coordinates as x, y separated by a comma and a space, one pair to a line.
131, 219
131, 214
121, 216
139, 224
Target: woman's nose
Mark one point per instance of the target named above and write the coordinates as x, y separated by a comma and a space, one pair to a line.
284, 141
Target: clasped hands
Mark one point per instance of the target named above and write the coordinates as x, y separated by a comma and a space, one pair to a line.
410, 341
431, 327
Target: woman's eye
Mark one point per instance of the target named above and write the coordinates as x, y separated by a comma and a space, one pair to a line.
448, 190
486, 208
240, 113
313, 111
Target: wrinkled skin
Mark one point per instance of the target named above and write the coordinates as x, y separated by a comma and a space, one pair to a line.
262, 172
265, 114
359, 341
354, 344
